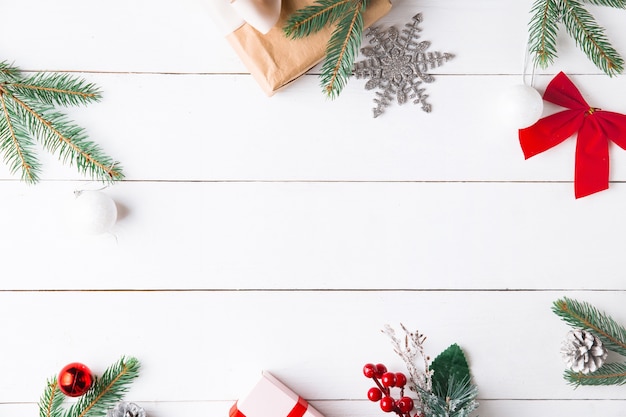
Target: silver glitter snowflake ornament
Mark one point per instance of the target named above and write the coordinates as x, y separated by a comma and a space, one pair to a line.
397, 64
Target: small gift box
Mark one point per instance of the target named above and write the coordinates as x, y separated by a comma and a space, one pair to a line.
273, 59
271, 398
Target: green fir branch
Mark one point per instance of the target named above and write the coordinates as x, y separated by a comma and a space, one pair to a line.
313, 18
106, 391
343, 45
608, 374
28, 114
619, 4
8, 73
459, 400
590, 37
59, 135
342, 49
57, 89
582, 315
16, 145
51, 400
543, 32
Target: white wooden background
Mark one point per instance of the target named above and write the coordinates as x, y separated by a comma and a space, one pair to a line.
283, 233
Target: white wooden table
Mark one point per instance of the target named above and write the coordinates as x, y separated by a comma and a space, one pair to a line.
283, 233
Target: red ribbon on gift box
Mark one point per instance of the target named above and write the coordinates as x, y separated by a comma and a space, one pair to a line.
297, 411
595, 128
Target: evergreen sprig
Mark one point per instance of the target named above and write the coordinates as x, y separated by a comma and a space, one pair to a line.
543, 31
28, 115
582, 315
608, 374
104, 393
453, 394
311, 19
459, 400
590, 37
620, 4
343, 45
51, 400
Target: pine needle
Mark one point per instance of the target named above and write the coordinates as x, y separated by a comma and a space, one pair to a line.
608, 374
343, 45
543, 32
8, 73
458, 401
546, 15
582, 315
28, 114
313, 18
590, 37
16, 145
619, 4
59, 89
342, 49
106, 391
51, 400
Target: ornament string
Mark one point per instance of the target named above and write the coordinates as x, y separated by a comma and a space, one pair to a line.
527, 61
521, 105
77, 193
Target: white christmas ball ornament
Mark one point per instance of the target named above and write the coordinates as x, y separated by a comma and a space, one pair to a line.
93, 212
520, 106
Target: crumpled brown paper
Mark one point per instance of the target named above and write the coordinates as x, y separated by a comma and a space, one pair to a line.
275, 60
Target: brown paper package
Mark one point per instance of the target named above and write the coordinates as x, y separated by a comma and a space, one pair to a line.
274, 60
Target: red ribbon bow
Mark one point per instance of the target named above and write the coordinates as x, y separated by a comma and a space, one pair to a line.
594, 126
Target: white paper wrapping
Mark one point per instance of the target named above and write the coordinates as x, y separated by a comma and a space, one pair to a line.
270, 398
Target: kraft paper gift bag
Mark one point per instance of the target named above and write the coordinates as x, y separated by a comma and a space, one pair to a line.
275, 60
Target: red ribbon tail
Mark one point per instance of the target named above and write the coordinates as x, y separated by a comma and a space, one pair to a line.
592, 160
550, 131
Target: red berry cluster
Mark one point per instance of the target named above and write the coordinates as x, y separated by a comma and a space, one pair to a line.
382, 391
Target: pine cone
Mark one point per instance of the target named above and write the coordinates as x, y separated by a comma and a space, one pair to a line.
124, 409
583, 352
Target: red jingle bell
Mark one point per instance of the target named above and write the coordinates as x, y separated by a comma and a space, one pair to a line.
75, 379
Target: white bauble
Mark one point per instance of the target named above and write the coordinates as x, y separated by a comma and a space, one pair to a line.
261, 15
93, 212
520, 106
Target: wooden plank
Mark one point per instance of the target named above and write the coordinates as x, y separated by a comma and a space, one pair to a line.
487, 408
211, 346
194, 128
159, 36
318, 235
